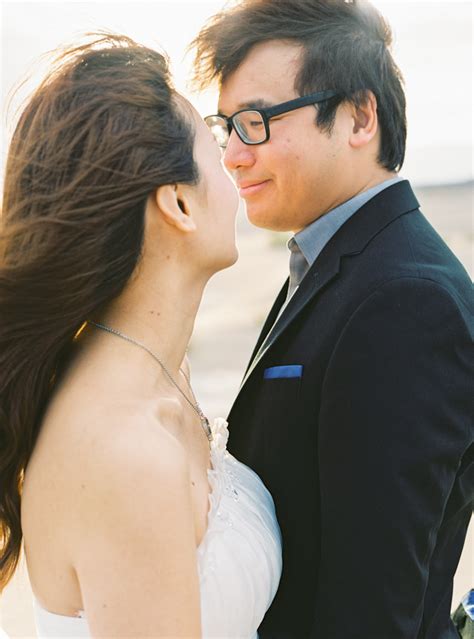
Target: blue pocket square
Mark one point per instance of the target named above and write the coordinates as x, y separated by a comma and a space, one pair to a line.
282, 372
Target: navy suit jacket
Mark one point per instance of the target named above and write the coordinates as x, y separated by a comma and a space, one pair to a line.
367, 443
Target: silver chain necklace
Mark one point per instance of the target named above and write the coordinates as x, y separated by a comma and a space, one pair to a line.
194, 405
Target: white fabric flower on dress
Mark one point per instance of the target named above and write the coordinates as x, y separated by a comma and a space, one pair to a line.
220, 435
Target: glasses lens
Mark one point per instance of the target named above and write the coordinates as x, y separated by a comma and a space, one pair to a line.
250, 126
219, 129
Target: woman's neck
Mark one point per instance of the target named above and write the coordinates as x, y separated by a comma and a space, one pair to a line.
159, 314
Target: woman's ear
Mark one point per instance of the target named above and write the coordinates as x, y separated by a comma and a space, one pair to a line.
365, 121
174, 206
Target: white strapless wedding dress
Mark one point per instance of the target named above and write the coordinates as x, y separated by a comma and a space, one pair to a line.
239, 558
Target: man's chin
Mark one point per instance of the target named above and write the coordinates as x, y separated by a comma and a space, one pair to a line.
257, 215
265, 218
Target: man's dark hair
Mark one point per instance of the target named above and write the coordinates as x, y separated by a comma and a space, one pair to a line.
345, 47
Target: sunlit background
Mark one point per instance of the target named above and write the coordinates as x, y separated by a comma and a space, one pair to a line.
433, 47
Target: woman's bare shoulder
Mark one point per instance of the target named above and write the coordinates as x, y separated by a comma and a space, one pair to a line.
109, 447
134, 435
135, 517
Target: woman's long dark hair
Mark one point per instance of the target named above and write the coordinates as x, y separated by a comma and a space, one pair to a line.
99, 135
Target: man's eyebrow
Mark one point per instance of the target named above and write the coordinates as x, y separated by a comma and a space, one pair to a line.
255, 104
258, 103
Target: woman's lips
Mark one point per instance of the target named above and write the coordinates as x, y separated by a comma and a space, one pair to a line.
245, 189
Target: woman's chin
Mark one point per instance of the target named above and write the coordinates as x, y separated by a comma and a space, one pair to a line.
235, 256
224, 261
232, 257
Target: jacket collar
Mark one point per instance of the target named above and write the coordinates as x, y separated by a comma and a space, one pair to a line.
351, 239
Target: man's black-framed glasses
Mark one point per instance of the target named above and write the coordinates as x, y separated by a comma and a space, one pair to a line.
253, 125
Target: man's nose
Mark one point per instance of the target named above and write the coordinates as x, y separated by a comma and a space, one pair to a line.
238, 154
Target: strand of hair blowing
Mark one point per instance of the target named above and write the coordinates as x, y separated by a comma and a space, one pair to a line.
100, 134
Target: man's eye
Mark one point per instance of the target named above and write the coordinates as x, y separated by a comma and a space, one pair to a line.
256, 123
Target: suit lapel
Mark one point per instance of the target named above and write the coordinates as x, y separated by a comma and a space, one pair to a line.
351, 239
313, 282
271, 317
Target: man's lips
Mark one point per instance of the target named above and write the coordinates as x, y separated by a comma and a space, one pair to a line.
247, 188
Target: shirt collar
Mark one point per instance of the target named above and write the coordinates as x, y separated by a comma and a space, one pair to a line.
314, 237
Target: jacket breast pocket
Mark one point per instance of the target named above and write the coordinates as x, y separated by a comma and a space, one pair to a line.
281, 409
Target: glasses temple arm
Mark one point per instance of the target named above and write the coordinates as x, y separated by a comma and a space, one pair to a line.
271, 112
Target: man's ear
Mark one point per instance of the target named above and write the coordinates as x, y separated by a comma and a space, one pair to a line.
173, 204
365, 121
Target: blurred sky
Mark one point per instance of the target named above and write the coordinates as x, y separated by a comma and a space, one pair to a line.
433, 47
